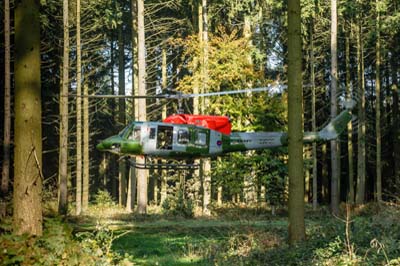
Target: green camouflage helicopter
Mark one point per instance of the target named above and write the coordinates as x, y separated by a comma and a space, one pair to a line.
185, 137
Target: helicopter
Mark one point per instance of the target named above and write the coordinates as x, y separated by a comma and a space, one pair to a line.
186, 136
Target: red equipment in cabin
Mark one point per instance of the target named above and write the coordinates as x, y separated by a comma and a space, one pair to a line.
219, 123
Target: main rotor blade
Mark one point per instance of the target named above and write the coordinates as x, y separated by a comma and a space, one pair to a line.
251, 90
180, 95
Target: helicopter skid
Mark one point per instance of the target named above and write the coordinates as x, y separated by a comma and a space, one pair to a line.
163, 166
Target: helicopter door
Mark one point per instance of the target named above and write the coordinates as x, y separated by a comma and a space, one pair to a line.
148, 138
164, 137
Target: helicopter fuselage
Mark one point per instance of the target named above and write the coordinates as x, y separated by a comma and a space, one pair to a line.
180, 141
187, 141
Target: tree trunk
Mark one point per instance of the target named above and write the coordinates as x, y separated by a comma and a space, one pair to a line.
350, 197
78, 110
361, 164
5, 174
314, 121
295, 122
206, 162
142, 173
335, 157
378, 108
27, 216
85, 172
63, 156
163, 173
121, 115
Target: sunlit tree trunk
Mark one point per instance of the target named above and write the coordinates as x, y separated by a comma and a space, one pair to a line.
78, 110
206, 162
85, 168
335, 156
5, 174
63, 155
361, 155
295, 122
132, 182
163, 173
378, 107
27, 194
350, 197
142, 173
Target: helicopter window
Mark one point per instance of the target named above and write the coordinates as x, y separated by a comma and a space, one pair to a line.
183, 136
135, 135
152, 134
164, 137
201, 139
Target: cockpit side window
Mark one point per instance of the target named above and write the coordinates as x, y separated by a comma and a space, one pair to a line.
135, 134
201, 138
183, 136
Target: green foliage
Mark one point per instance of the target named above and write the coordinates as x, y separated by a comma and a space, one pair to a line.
178, 206
103, 199
57, 246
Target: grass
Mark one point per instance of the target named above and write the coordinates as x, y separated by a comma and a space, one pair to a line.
240, 236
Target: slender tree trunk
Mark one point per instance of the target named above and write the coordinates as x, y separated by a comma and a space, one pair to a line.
121, 114
350, 197
27, 215
378, 108
206, 162
163, 174
78, 110
85, 172
335, 157
361, 155
132, 187
63, 161
5, 174
142, 173
295, 134
314, 121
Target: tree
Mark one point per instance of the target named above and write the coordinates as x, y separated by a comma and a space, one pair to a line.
63, 154
378, 106
335, 155
5, 174
295, 129
142, 173
361, 153
27, 216
78, 110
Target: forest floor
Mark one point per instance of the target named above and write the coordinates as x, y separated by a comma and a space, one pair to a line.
252, 236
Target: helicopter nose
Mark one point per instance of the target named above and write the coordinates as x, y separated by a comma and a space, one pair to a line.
109, 143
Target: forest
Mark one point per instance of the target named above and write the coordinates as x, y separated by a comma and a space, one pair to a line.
79, 73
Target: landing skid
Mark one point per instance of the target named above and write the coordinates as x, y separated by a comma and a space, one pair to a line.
163, 166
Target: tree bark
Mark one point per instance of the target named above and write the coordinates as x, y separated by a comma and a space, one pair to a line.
27, 216
350, 197
121, 114
314, 121
85, 172
295, 133
361, 155
63, 156
5, 174
378, 196
78, 110
335, 156
142, 114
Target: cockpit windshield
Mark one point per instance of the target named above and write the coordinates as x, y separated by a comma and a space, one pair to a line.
124, 132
